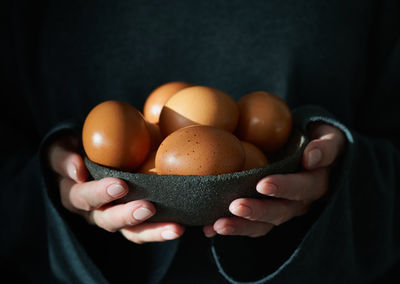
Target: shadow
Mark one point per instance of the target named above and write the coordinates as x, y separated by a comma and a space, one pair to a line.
170, 121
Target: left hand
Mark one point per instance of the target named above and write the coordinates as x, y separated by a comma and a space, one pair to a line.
293, 192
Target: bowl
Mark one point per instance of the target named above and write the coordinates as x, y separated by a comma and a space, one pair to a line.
201, 200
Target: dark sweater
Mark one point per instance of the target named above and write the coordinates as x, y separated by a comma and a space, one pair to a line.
60, 58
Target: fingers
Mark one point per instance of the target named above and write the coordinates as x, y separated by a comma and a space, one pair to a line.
116, 217
255, 217
153, 232
91, 199
209, 231
241, 227
90, 195
302, 186
272, 211
293, 192
326, 145
66, 162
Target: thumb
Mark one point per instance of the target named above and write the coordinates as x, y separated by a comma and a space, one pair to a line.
327, 143
65, 160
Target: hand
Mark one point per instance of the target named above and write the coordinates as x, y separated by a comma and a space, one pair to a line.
91, 199
293, 192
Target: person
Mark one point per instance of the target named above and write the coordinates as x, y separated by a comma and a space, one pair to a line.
337, 66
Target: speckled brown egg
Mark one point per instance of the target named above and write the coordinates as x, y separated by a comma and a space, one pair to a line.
265, 120
115, 135
199, 105
158, 97
199, 150
255, 158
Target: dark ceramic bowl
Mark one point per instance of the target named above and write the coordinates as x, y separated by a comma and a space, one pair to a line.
201, 200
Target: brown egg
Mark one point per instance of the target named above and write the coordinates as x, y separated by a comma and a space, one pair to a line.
149, 166
199, 150
255, 158
158, 97
199, 105
115, 135
265, 120
155, 134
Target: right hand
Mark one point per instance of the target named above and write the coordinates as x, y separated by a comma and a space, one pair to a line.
91, 199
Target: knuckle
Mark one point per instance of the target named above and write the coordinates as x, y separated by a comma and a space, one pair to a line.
81, 203
101, 220
75, 194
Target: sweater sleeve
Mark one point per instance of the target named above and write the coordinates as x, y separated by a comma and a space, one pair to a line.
69, 259
353, 235
80, 253
23, 241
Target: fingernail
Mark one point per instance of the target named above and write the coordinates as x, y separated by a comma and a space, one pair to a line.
72, 171
169, 235
314, 157
142, 214
115, 190
267, 188
242, 210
